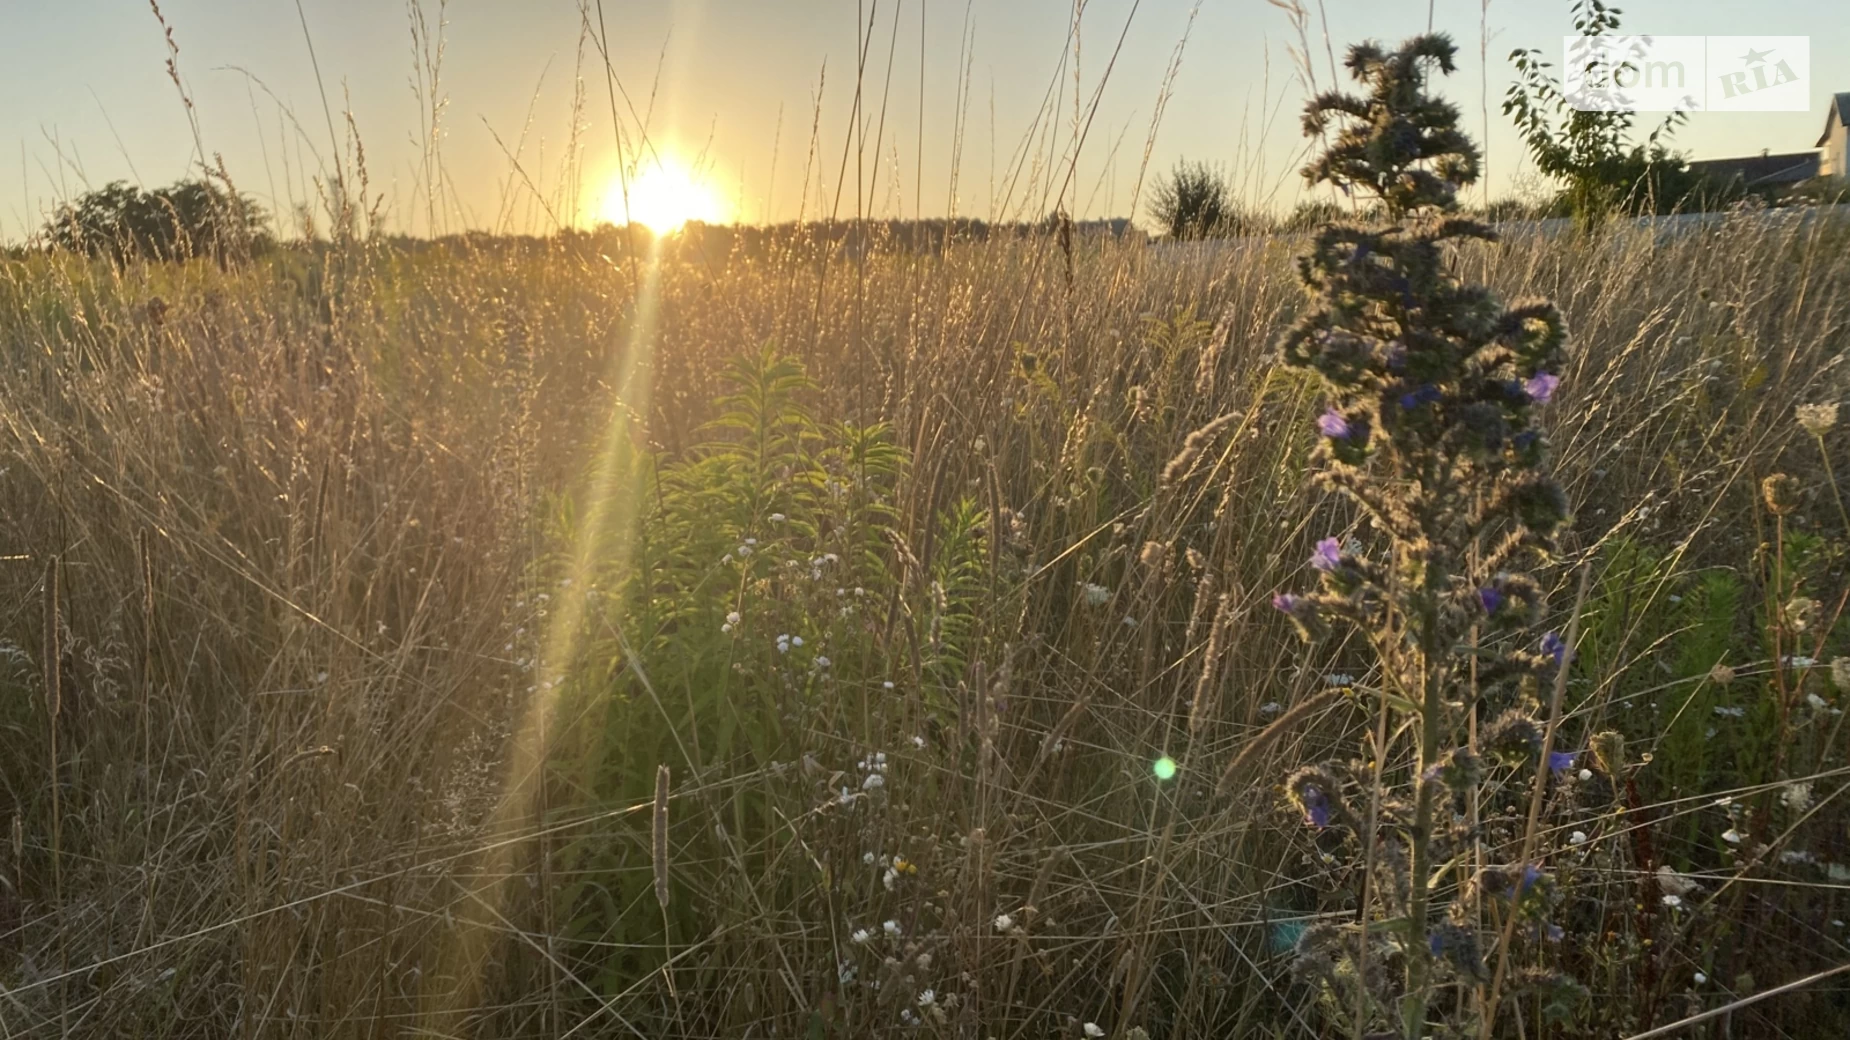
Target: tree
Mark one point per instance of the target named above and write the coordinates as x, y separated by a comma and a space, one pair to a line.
190, 218
1604, 171
1193, 201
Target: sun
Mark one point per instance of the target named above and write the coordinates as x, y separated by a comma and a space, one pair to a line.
663, 196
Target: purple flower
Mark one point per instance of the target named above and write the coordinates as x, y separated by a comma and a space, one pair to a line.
1426, 394
1490, 598
1333, 425
1562, 761
1328, 555
1316, 807
1531, 874
1553, 646
1286, 602
1541, 386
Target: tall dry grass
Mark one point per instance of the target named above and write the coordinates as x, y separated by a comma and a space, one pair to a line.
307, 514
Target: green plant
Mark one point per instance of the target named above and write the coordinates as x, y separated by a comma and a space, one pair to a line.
1591, 151
1431, 433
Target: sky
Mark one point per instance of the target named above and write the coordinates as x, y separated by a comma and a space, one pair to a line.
967, 106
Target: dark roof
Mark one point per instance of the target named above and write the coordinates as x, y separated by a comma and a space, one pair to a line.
1840, 107
1755, 171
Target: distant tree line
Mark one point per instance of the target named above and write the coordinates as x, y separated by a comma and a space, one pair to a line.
191, 218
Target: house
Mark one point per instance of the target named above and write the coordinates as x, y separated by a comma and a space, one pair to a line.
1832, 158
1834, 144
1758, 171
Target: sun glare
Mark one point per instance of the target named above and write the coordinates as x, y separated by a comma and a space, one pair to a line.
662, 197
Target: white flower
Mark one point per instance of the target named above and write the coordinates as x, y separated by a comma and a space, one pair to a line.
823, 662
783, 644
1577, 838
887, 685
1797, 856
928, 998
1673, 901
1094, 595
1271, 708
1005, 923
1817, 703
891, 928
1699, 978
796, 640
1817, 419
918, 741
778, 518
1339, 679
1730, 711
1586, 774
861, 935
873, 782
732, 618
751, 541
744, 551
889, 878
1732, 836
1797, 797
869, 858
1094, 1030
1799, 661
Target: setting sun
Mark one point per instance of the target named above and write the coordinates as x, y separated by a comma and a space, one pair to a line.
662, 197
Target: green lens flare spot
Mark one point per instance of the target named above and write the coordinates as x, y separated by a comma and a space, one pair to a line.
1164, 768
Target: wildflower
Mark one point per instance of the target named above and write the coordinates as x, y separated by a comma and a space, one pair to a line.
1554, 647
1731, 711
744, 551
1732, 836
796, 640
1817, 703
1800, 612
1562, 761
927, 998
1005, 923
1840, 674
873, 782
891, 928
918, 741
861, 935
1426, 394
732, 618
1541, 386
869, 858
1781, 494
1316, 807
1490, 599
1328, 556
1796, 797
1338, 679
1721, 675
1817, 419
1271, 708
1585, 775
778, 518
1800, 661
1332, 425
887, 685
1094, 595
1673, 901
783, 644
1286, 602
1094, 1030
1577, 838
1699, 978
823, 662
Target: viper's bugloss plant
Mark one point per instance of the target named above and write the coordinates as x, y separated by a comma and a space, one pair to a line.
1434, 389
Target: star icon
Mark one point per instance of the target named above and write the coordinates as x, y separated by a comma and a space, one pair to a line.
1754, 57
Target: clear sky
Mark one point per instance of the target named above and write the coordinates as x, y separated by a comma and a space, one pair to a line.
85, 97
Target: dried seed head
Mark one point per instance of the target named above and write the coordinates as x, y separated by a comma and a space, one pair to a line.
1721, 675
1840, 674
1781, 494
1608, 748
1817, 419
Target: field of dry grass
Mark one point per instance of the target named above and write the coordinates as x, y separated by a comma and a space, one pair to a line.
352, 602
